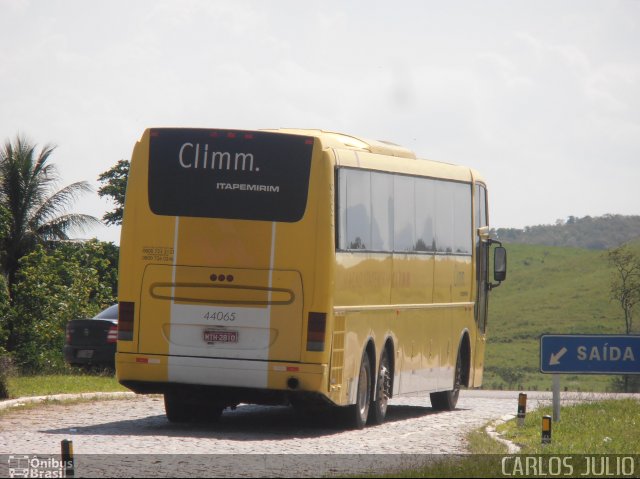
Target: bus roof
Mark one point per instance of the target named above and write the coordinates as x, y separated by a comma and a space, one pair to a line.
341, 141
332, 139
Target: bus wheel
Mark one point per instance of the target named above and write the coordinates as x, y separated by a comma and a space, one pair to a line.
447, 400
176, 408
207, 413
383, 391
360, 411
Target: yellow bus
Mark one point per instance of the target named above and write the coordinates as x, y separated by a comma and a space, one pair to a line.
300, 267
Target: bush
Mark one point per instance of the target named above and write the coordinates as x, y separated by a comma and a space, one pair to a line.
510, 375
6, 369
53, 288
626, 384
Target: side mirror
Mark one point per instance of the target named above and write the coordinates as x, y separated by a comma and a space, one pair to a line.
500, 264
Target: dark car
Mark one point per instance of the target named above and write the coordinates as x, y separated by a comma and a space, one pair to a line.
92, 342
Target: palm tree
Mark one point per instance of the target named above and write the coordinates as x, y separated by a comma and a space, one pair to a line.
35, 212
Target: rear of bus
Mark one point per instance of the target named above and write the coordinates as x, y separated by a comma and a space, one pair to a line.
224, 269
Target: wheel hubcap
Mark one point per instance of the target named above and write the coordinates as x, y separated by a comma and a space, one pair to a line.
363, 392
383, 387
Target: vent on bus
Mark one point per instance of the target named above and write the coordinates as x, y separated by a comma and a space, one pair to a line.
337, 352
126, 311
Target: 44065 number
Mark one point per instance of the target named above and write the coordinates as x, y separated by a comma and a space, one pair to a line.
219, 316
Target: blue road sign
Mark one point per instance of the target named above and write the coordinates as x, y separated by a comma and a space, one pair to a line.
590, 354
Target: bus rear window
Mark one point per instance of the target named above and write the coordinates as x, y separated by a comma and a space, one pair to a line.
229, 174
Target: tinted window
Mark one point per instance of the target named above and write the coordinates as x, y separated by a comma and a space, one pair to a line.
225, 174
444, 216
481, 206
357, 214
399, 213
110, 313
425, 214
480, 210
462, 238
381, 212
404, 213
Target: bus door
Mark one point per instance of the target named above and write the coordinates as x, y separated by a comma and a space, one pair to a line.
482, 247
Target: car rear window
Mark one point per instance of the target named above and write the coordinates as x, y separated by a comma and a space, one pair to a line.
110, 313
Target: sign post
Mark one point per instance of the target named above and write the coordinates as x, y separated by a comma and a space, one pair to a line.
556, 397
587, 354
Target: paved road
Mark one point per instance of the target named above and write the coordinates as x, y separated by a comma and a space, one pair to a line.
133, 437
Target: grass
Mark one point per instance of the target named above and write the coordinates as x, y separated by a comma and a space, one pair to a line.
549, 290
52, 384
44, 385
607, 428
602, 427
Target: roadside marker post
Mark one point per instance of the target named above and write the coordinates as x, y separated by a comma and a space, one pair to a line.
68, 462
522, 408
546, 429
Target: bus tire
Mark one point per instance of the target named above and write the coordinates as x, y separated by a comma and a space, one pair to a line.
207, 413
176, 409
359, 412
447, 400
378, 408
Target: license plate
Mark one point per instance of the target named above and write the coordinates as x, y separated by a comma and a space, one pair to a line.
85, 354
211, 336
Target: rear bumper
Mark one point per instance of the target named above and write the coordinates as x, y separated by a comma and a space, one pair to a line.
146, 373
90, 355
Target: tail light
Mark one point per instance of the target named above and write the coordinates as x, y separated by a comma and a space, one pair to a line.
316, 328
112, 335
69, 332
126, 314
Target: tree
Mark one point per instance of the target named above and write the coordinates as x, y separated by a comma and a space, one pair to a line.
98, 255
37, 213
114, 183
625, 284
625, 288
34, 212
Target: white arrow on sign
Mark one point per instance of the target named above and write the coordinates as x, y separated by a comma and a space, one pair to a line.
555, 358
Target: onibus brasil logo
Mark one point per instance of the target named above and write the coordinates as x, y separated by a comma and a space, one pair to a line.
34, 466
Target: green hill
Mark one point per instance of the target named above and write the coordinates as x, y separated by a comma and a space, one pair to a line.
600, 232
549, 290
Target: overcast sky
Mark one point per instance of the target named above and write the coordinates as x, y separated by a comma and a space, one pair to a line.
542, 97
